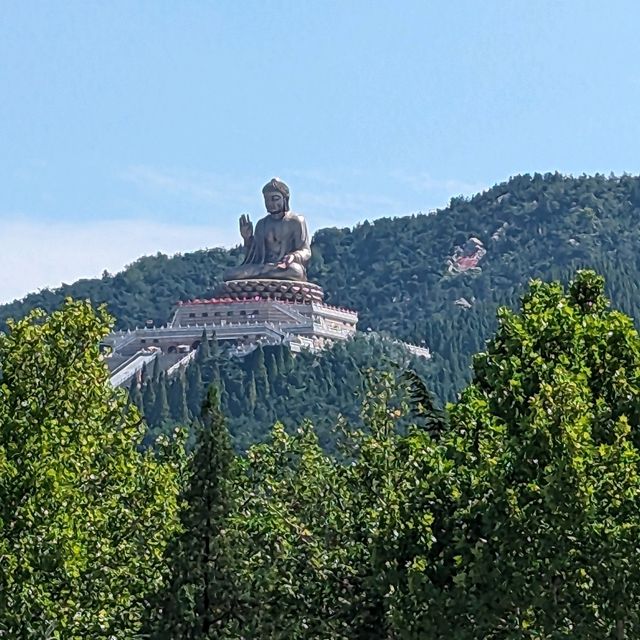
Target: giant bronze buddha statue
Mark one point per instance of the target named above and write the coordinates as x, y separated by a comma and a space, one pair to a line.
279, 247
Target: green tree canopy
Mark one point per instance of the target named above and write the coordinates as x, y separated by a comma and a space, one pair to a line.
84, 515
534, 503
517, 517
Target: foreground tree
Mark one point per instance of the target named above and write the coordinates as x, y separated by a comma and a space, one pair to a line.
534, 509
201, 598
313, 529
85, 517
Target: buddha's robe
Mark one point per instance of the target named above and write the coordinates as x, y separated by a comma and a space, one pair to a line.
273, 239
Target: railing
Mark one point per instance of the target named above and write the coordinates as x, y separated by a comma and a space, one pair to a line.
336, 312
329, 332
291, 313
422, 352
299, 324
181, 363
135, 364
126, 363
126, 337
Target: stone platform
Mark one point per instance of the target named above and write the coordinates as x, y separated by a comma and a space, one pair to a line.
263, 289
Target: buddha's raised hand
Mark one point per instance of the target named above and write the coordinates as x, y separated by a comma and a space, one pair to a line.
246, 227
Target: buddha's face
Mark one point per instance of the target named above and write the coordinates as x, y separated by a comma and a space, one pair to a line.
274, 203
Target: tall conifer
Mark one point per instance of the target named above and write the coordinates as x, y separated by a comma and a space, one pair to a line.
179, 406
287, 360
279, 355
161, 409
195, 387
157, 369
149, 401
214, 360
203, 354
272, 370
135, 395
260, 374
250, 390
200, 597
214, 349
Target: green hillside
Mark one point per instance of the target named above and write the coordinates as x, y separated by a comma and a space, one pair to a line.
394, 271
270, 385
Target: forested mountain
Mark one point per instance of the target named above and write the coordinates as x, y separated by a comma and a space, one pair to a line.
513, 514
395, 271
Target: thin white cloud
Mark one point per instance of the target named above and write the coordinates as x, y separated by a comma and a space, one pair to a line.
198, 186
327, 197
41, 254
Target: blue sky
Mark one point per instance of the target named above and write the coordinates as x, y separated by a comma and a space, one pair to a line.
132, 127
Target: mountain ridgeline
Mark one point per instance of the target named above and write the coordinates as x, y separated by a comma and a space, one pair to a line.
394, 271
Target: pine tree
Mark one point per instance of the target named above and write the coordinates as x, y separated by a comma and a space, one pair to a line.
135, 395
279, 354
172, 393
214, 349
179, 406
157, 369
149, 402
214, 360
250, 391
287, 360
260, 374
201, 595
195, 388
161, 413
203, 354
272, 371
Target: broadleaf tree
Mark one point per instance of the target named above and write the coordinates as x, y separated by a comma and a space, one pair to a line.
85, 516
540, 470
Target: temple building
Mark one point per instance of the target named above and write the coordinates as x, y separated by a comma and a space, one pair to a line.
266, 300
242, 324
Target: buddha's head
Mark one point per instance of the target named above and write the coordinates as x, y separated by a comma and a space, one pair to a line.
276, 197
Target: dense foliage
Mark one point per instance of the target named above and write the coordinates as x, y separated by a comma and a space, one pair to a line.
394, 271
536, 514
517, 518
271, 385
85, 518
513, 515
